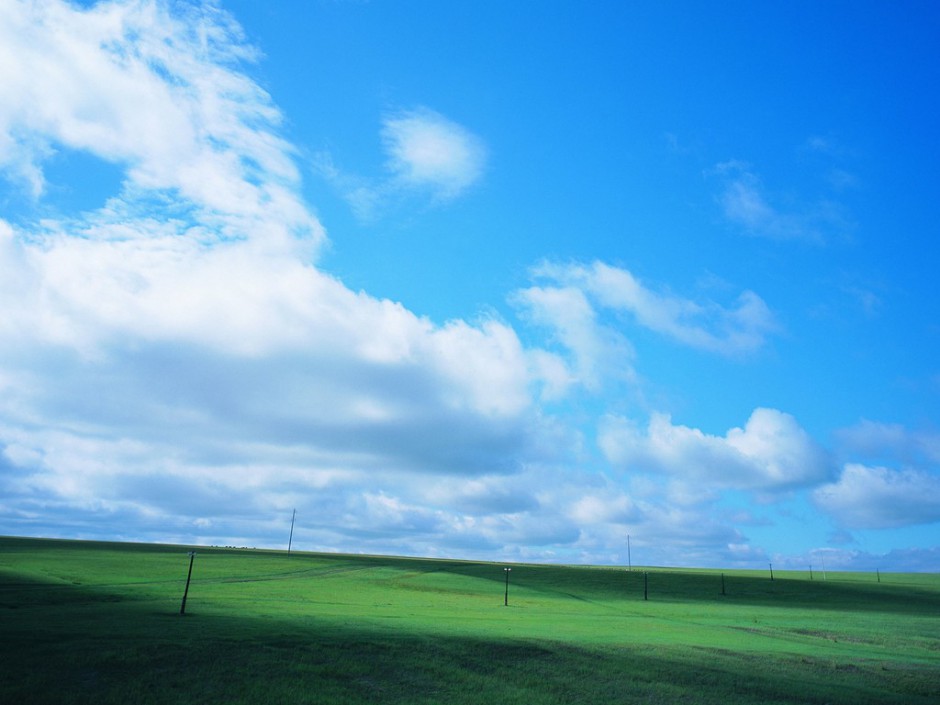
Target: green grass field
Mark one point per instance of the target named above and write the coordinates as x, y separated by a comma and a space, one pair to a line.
99, 623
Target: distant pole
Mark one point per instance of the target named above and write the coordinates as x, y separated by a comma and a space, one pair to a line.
646, 585
722, 583
771, 571
506, 598
810, 571
192, 555
290, 539
824, 569
878, 573
629, 559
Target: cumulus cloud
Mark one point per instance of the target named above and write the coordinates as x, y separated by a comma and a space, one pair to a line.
482, 496
772, 452
877, 497
575, 295
890, 479
661, 531
604, 507
598, 351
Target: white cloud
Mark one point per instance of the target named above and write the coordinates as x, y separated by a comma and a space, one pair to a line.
598, 351
772, 452
426, 150
486, 495
580, 292
594, 508
746, 202
890, 479
877, 497
427, 156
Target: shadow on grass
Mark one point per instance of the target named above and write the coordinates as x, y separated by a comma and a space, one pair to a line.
78, 644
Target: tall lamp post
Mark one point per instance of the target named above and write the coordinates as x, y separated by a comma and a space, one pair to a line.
506, 598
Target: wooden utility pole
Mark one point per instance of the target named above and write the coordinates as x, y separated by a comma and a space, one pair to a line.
291, 537
192, 555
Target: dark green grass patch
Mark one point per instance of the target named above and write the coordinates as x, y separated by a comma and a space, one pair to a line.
99, 623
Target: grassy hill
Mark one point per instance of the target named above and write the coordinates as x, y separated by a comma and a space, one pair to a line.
88, 622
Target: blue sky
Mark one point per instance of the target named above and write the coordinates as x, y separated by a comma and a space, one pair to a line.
507, 281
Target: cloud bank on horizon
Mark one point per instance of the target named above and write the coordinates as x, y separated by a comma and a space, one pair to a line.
178, 362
